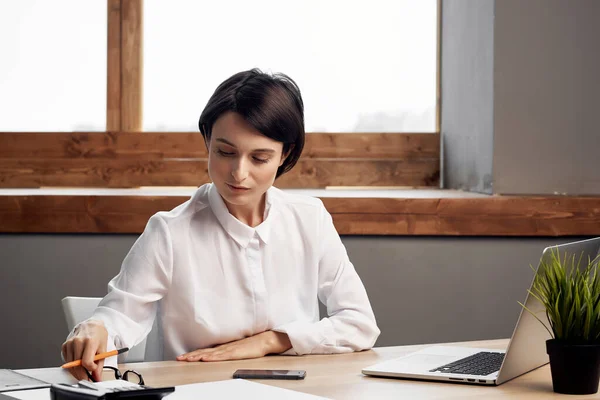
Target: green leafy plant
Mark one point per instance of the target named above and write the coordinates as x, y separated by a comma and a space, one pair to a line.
571, 297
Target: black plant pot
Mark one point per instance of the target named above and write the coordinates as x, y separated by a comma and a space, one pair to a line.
575, 367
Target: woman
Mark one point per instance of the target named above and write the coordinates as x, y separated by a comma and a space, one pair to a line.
238, 270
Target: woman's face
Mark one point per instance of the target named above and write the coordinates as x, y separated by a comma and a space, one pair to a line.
242, 162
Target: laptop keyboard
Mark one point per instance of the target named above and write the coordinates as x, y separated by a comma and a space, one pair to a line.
482, 363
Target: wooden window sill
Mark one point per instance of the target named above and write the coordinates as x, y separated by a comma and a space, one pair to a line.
355, 212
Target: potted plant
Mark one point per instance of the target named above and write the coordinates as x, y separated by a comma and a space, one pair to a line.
570, 294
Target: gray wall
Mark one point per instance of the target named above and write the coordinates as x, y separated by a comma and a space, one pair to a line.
423, 290
467, 94
542, 58
546, 96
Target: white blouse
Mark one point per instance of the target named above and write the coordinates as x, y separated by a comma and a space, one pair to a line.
211, 279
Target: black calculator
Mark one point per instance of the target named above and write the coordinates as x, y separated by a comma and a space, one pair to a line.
85, 390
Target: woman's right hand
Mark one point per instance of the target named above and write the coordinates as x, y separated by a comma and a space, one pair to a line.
89, 339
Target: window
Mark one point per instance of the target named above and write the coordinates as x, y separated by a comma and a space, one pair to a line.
53, 69
362, 66
358, 70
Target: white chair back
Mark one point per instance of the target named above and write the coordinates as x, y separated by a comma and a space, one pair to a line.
78, 309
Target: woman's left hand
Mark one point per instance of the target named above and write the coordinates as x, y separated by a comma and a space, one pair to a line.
251, 347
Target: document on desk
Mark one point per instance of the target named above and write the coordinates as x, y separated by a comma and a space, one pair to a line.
31, 394
228, 389
236, 389
12, 380
44, 394
32, 379
50, 375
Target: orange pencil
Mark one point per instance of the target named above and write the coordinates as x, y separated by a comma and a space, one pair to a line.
97, 357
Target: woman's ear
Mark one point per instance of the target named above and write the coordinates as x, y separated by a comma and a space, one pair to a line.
285, 155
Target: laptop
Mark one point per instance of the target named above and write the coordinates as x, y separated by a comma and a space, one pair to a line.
526, 350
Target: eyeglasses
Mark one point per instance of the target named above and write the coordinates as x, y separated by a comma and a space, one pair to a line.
130, 375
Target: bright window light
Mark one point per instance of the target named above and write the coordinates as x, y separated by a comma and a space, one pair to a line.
53, 69
362, 66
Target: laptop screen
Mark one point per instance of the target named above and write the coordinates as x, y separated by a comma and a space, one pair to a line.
527, 347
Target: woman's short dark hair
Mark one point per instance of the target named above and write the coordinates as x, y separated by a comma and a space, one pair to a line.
271, 103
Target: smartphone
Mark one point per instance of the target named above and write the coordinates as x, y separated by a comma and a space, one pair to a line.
269, 374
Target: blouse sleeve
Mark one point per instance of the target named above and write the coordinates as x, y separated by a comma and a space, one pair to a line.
129, 308
350, 325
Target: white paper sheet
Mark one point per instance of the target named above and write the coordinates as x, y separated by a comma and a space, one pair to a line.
228, 389
236, 389
32, 394
50, 375
44, 394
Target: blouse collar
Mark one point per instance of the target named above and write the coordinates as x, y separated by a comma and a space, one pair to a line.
239, 231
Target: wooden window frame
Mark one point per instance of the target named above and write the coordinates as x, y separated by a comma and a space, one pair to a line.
502, 216
125, 157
